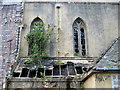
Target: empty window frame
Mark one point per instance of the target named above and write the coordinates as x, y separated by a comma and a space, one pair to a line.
79, 37
37, 19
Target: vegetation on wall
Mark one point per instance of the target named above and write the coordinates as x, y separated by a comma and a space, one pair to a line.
37, 40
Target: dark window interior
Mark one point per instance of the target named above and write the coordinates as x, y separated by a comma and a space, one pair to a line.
83, 42
76, 40
79, 34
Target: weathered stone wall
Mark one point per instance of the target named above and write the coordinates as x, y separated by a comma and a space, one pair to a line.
97, 80
101, 22
90, 82
101, 25
116, 80
59, 83
0, 47
103, 80
11, 20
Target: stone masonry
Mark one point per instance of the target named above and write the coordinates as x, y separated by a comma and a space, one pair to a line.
94, 14
10, 26
116, 81
0, 47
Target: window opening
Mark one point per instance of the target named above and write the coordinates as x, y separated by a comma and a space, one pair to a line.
16, 74
85, 69
79, 70
67, 69
33, 24
71, 68
32, 73
83, 42
79, 37
24, 72
48, 72
76, 40
64, 70
40, 70
56, 70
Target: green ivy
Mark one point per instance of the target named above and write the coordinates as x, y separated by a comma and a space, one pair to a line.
37, 40
27, 61
42, 75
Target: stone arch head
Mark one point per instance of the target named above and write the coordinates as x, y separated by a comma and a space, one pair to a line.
80, 25
79, 22
33, 24
37, 19
79, 37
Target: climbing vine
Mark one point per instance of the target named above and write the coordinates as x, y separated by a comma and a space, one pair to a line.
37, 40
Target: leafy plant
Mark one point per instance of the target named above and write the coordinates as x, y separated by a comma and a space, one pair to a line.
11, 76
42, 74
27, 61
37, 40
76, 54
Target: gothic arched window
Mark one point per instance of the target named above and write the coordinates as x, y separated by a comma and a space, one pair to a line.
33, 24
79, 37
37, 19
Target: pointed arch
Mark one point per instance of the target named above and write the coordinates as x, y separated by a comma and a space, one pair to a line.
79, 34
37, 19
79, 22
33, 24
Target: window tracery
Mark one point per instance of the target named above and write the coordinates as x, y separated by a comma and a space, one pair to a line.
79, 37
